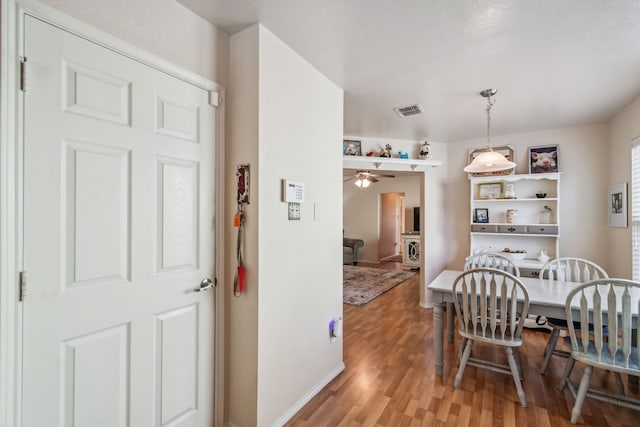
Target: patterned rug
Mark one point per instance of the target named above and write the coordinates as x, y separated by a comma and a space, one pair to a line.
363, 284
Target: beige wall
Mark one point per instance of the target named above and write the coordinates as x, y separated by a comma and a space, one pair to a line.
622, 129
279, 350
242, 312
582, 159
162, 27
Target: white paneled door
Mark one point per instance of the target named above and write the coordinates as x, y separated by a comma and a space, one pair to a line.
118, 234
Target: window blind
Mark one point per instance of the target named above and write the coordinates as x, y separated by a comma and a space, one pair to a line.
635, 206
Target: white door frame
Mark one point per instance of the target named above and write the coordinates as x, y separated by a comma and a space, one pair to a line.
11, 14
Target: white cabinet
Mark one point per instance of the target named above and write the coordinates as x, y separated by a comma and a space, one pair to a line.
411, 250
533, 229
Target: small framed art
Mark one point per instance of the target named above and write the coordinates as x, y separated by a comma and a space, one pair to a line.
490, 190
543, 159
351, 147
481, 215
617, 205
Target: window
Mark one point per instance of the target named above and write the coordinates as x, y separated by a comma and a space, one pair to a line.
635, 207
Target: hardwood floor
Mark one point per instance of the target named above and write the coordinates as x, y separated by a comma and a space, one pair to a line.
389, 378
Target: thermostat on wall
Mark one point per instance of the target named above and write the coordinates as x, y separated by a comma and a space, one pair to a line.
292, 192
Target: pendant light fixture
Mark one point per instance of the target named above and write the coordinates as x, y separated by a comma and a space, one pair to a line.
489, 161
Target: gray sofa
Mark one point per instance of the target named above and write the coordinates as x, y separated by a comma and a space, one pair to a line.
350, 250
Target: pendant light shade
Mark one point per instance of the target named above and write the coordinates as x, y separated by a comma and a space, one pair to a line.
362, 183
489, 161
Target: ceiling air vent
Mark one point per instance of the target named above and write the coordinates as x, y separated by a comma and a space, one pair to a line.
409, 110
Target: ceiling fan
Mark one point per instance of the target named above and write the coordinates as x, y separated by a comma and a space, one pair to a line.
364, 178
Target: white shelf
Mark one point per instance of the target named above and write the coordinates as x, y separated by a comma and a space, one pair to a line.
536, 199
529, 209
515, 178
512, 223
388, 163
482, 233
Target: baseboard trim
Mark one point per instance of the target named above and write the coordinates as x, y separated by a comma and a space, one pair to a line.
309, 395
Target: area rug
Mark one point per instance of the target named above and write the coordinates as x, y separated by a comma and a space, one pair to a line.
363, 284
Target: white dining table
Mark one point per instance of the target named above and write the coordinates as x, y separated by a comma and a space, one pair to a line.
546, 298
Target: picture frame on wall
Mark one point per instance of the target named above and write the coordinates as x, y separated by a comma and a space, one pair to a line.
543, 159
617, 205
481, 215
351, 147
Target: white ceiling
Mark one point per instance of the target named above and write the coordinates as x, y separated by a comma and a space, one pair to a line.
555, 63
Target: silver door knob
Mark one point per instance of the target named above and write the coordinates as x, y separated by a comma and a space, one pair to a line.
205, 285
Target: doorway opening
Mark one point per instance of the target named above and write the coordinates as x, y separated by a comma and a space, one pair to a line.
391, 226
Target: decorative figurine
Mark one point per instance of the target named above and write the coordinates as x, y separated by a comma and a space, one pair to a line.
386, 151
425, 150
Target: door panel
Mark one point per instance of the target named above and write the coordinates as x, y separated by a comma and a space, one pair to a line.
388, 244
109, 349
118, 232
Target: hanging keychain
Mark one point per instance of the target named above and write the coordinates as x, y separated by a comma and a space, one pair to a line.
239, 282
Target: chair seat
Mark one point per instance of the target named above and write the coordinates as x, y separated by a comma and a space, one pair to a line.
592, 355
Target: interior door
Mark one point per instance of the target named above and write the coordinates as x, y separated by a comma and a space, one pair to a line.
389, 243
118, 232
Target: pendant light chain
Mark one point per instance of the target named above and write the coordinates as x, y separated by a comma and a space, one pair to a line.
489, 161
489, 105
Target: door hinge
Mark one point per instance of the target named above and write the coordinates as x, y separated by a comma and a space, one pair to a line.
22, 285
215, 98
23, 73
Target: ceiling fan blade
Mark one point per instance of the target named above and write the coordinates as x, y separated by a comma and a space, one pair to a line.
348, 178
386, 176
372, 179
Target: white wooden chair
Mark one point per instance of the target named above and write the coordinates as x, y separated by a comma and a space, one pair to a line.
492, 260
614, 303
491, 306
488, 260
565, 270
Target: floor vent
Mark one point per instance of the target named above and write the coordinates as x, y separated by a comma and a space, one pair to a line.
409, 110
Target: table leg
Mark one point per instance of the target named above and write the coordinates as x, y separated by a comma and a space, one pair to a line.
438, 338
450, 310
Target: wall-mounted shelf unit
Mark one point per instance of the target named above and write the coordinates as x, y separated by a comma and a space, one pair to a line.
388, 163
532, 231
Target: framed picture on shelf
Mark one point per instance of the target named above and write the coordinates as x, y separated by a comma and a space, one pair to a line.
543, 159
481, 215
490, 190
507, 151
618, 205
351, 147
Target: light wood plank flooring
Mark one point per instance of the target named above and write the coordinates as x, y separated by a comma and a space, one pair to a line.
389, 378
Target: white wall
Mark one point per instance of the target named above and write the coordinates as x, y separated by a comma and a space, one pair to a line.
583, 161
300, 261
242, 312
162, 27
622, 129
294, 267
